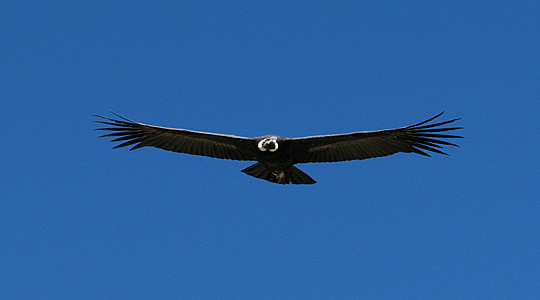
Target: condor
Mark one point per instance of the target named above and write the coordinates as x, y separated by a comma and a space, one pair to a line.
276, 155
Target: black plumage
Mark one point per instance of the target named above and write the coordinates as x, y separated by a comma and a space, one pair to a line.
276, 155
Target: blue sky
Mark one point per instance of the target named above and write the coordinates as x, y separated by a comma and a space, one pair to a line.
79, 220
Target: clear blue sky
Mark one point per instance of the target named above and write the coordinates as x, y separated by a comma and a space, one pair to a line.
79, 220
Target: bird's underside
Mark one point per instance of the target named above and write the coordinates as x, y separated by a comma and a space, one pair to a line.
275, 155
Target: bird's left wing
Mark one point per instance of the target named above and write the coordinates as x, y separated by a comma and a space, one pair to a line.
178, 140
370, 144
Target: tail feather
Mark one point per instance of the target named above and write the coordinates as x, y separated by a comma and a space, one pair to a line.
259, 171
290, 175
299, 177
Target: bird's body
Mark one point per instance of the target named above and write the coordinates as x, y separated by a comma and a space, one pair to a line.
275, 162
276, 155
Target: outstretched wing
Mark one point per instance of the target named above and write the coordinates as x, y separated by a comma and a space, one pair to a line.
370, 144
178, 140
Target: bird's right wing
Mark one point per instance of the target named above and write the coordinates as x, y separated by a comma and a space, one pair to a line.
370, 144
178, 140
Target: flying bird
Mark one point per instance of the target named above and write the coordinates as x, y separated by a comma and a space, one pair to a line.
276, 155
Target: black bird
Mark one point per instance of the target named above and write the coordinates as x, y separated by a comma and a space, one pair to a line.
277, 155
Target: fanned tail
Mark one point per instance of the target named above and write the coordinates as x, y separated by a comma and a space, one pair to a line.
290, 175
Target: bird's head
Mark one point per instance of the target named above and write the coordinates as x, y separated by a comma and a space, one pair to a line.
269, 144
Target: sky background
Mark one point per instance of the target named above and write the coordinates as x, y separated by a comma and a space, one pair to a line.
79, 220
